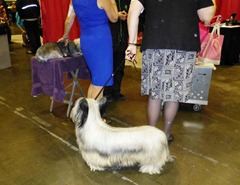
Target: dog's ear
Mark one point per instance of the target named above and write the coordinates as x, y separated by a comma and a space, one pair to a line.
102, 105
83, 105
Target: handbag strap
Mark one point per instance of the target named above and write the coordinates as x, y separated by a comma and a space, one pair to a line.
215, 30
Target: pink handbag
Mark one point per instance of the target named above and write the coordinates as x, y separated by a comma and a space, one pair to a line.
211, 46
203, 30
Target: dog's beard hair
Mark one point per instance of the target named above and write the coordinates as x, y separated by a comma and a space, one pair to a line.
102, 106
103, 146
78, 44
74, 49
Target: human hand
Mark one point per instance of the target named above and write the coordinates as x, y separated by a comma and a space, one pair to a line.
130, 53
122, 15
64, 39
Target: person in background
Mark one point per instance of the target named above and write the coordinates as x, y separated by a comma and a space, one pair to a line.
120, 42
29, 11
12, 9
169, 47
4, 19
5, 6
96, 41
20, 24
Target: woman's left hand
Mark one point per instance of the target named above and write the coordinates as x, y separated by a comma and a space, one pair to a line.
130, 53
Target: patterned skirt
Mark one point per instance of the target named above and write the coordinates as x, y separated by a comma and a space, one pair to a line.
167, 74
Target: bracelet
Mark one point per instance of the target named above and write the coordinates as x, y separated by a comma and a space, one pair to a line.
134, 44
65, 37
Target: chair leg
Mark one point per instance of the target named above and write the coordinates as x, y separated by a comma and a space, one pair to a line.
52, 102
70, 100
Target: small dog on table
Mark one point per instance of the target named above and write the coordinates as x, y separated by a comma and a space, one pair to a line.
106, 147
53, 50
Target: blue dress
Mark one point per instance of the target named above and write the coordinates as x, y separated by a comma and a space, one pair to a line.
96, 41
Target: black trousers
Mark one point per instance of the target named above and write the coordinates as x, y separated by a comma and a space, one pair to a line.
118, 68
33, 33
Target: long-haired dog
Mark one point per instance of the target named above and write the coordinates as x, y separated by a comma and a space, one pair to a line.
103, 146
52, 50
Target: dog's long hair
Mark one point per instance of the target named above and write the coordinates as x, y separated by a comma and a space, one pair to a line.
103, 146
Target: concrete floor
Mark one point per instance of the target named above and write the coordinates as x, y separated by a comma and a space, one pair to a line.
39, 148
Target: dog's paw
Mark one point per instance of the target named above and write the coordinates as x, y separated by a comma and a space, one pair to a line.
150, 169
170, 159
95, 168
42, 61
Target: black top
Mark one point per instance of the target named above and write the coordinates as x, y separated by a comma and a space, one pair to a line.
172, 24
119, 29
28, 9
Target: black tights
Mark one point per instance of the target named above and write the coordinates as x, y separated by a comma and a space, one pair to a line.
169, 113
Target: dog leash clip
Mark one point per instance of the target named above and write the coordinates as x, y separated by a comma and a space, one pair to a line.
135, 62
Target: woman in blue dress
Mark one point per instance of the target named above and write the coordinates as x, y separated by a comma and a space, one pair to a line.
96, 40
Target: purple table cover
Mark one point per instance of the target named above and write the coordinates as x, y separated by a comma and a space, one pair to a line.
48, 78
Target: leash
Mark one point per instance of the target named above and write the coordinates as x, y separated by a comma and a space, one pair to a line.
112, 75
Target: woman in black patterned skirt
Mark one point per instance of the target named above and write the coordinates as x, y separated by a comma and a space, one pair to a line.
169, 47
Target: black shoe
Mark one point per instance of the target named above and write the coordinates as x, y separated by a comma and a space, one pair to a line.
30, 52
170, 139
120, 97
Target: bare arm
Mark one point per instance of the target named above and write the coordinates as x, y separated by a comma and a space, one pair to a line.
206, 14
133, 19
68, 24
110, 8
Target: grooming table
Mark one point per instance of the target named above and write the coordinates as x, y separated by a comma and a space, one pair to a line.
48, 78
